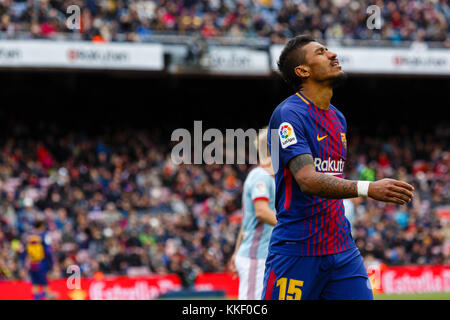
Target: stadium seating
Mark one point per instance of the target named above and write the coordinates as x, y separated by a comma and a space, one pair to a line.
137, 20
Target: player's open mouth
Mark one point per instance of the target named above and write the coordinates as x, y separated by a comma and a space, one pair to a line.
335, 64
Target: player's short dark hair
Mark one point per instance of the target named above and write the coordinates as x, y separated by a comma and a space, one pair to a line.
290, 58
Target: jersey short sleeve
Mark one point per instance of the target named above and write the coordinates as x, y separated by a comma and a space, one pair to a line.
260, 190
291, 134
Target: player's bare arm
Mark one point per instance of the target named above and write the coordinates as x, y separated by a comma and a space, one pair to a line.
264, 213
327, 186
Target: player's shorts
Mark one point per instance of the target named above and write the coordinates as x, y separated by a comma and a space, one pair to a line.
38, 278
340, 276
251, 274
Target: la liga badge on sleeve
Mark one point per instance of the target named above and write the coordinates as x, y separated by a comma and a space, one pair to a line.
287, 135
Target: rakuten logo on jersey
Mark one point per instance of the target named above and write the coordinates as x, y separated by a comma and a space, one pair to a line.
329, 166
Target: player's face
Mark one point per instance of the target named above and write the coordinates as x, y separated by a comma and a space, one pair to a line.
323, 64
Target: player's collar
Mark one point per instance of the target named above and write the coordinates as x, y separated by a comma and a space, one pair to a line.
309, 102
305, 99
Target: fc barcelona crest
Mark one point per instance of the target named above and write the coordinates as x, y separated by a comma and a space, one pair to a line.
344, 140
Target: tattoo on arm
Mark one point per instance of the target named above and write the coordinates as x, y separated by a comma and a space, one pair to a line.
298, 162
321, 184
334, 187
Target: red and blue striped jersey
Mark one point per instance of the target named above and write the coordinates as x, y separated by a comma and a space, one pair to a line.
308, 225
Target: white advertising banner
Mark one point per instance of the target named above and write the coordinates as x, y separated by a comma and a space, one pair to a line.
386, 60
238, 60
84, 55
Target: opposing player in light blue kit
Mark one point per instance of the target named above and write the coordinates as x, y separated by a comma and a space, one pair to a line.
252, 244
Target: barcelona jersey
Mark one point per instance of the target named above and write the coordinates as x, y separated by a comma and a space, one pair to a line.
308, 225
38, 253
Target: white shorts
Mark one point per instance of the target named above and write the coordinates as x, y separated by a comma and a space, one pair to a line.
251, 277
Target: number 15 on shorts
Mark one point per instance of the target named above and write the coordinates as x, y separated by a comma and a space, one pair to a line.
293, 289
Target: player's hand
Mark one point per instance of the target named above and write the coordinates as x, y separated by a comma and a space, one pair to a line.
232, 266
390, 190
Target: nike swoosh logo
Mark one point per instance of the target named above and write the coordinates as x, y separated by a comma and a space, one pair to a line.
321, 138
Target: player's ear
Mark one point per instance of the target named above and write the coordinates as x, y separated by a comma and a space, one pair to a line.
302, 71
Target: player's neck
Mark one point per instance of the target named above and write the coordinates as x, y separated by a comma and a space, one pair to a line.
268, 168
319, 95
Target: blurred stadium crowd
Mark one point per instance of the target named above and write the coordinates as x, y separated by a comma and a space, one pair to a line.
116, 204
399, 235
136, 20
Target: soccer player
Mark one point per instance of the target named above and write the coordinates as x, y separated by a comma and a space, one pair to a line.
258, 201
38, 260
312, 254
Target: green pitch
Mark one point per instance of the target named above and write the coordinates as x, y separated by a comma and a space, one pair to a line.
415, 296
